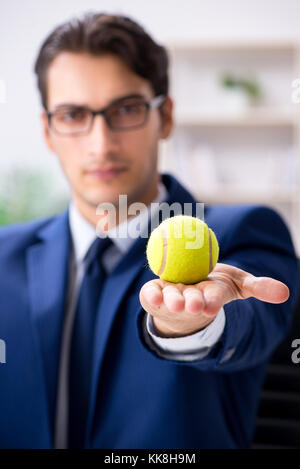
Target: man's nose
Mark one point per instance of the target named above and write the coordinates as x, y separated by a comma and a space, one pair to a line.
100, 135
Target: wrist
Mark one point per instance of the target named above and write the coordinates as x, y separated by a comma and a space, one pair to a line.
166, 331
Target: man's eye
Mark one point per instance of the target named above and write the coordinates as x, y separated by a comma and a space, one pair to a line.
130, 109
72, 115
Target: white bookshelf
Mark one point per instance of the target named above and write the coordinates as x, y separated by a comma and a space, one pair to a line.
228, 154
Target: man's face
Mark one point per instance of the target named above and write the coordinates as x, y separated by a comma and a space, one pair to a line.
94, 82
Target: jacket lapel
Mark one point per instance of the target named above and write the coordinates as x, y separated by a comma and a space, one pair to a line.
47, 268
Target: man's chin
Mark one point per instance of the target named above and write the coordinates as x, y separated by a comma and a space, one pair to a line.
95, 199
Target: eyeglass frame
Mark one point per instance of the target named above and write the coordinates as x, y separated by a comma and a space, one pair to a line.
155, 102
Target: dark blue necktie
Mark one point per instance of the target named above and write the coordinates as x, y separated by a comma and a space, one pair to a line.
81, 352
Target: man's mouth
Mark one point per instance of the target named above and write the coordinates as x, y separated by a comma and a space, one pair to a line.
108, 173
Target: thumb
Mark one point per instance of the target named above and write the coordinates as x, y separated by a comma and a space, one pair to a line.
265, 289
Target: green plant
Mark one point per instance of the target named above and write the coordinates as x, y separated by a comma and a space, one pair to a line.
249, 85
26, 195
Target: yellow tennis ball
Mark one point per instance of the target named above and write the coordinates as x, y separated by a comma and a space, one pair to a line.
182, 249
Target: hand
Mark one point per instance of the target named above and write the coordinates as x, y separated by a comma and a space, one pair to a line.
180, 309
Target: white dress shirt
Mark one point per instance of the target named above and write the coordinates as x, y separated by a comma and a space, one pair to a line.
83, 234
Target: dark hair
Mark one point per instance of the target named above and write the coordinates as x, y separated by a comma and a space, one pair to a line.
100, 33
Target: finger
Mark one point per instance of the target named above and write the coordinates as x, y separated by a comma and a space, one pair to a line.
151, 293
213, 304
215, 296
265, 289
194, 301
173, 299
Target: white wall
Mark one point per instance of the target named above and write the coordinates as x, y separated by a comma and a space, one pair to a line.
25, 24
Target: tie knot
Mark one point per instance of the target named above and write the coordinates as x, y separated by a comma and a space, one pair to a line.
97, 249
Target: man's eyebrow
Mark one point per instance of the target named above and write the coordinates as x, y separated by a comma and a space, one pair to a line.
128, 96
114, 101
67, 105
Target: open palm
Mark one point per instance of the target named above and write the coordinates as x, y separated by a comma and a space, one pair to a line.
180, 309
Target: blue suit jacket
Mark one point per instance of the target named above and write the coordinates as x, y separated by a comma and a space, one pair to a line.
139, 399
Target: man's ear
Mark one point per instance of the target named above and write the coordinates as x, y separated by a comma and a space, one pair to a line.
167, 119
46, 132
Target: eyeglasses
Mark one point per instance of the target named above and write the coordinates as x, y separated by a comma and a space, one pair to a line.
124, 114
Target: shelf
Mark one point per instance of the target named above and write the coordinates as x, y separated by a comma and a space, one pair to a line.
248, 118
229, 195
232, 44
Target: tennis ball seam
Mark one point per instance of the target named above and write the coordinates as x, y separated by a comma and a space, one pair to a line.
210, 252
165, 248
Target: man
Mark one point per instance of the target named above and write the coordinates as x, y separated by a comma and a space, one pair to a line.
153, 364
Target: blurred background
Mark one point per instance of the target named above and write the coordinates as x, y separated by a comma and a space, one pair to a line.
237, 135
232, 65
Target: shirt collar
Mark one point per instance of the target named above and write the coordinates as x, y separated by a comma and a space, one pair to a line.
84, 233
